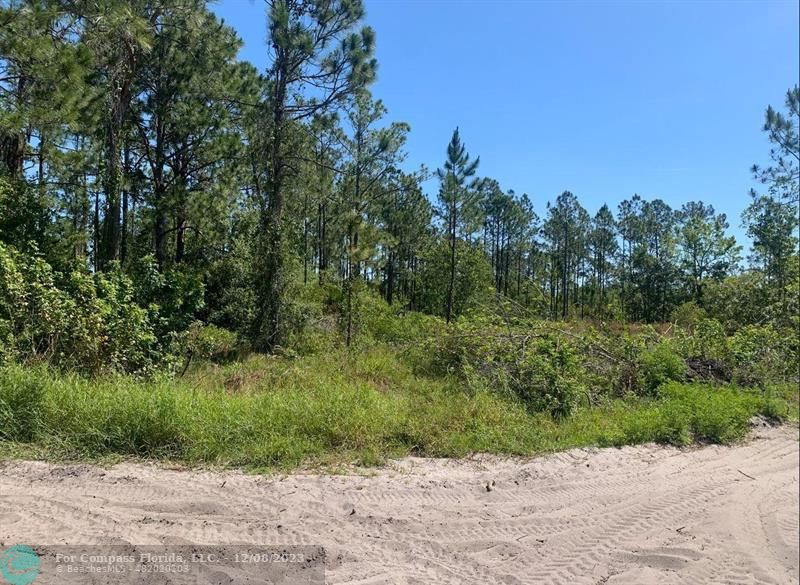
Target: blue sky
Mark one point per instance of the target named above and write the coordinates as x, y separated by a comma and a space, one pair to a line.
605, 99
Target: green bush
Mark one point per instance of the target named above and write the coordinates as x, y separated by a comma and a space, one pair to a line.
689, 412
82, 322
311, 319
718, 415
540, 369
762, 354
130, 341
473, 282
708, 341
659, 365
24, 215
173, 296
687, 314
208, 342
390, 324
34, 312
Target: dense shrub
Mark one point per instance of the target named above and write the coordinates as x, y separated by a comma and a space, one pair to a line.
706, 413
707, 340
473, 280
754, 355
24, 215
763, 354
33, 312
173, 296
211, 343
539, 368
751, 298
311, 319
737, 300
659, 365
83, 322
230, 285
381, 322
687, 314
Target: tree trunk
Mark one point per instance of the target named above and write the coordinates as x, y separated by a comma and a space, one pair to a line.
110, 237
123, 247
322, 254
452, 282
12, 142
267, 327
12, 151
182, 226
160, 234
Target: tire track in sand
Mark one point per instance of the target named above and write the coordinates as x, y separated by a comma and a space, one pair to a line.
631, 516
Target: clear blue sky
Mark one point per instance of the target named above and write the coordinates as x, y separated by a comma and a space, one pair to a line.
605, 99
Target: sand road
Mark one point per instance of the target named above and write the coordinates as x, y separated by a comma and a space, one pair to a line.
637, 515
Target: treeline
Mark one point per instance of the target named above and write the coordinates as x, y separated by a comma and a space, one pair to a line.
149, 179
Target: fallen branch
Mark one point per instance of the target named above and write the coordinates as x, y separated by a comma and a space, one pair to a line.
744, 474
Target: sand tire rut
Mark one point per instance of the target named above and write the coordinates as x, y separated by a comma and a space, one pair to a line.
636, 516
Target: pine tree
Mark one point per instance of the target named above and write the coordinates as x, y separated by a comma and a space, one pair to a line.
375, 154
565, 230
783, 176
119, 36
312, 45
457, 203
705, 252
184, 133
603, 247
772, 219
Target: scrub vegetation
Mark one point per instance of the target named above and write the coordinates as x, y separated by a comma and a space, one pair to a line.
204, 262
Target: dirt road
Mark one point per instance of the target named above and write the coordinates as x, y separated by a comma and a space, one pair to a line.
637, 515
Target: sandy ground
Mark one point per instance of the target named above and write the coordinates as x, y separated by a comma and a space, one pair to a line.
637, 515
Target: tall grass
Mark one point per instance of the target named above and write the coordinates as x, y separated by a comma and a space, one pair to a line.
363, 407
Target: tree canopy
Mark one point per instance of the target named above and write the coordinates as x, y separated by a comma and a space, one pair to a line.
143, 164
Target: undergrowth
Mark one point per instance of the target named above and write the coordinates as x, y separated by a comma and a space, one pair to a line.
361, 407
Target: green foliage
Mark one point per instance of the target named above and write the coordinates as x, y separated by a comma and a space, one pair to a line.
706, 253
380, 322
212, 185
781, 128
364, 407
687, 314
567, 222
708, 341
117, 415
708, 414
26, 288
21, 394
84, 322
230, 286
738, 300
763, 354
541, 370
310, 319
173, 296
472, 286
24, 214
659, 365
160, 199
211, 343
756, 355
130, 342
